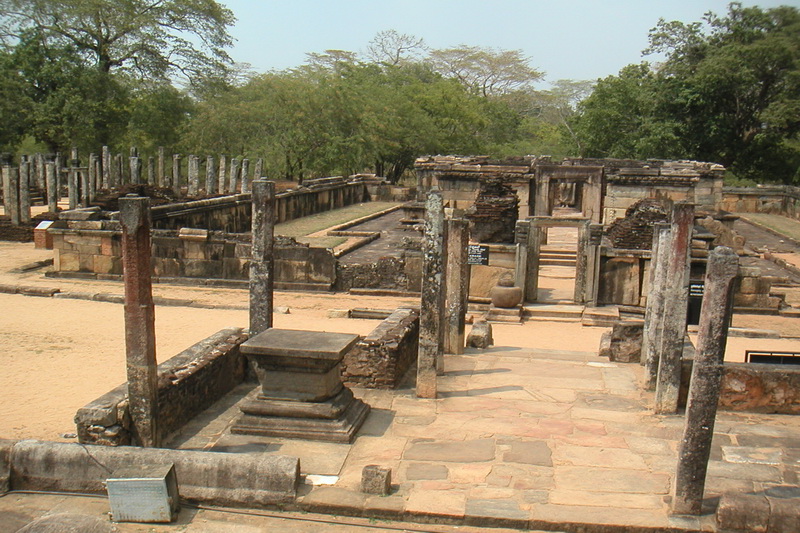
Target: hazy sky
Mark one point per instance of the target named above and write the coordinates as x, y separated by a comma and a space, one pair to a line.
576, 39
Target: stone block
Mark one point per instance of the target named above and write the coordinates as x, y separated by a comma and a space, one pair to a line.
480, 336
66, 261
750, 285
106, 264
620, 281
376, 480
743, 512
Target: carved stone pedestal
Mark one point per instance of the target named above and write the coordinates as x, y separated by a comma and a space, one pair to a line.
301, 394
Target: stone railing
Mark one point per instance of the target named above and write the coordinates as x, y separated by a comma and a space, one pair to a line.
782, 200
188, 383
381, 359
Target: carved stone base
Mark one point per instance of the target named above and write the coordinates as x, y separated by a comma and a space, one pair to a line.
337, 419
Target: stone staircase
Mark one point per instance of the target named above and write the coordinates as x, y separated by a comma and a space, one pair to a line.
557, 255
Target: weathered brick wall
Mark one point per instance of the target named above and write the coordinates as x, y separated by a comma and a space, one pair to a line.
754, 387
231, 214
188, 383
783, 200
94, 247
380, 359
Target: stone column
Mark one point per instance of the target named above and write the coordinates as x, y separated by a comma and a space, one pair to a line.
223, 182
92, 176
117, 176
234, 176
432, 305
676, 297
52, 186
151, 170
72, 185
59, 174
193, 175
457, 282
106, 155
245, 175
176, 174
701, 408
532, 263
581, 264
25, 178
160, 174
83, 180
140, 336
40, 177
259, 168
211, 176
136, 170
654, 312
11, 193
262, 264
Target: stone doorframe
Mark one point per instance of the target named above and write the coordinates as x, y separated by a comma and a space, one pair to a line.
589, 177
587, 264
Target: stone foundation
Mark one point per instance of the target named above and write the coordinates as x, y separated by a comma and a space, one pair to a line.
188, 383
381, 359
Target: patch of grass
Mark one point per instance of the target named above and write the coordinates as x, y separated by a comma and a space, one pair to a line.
314, 223
783, 225
322, 242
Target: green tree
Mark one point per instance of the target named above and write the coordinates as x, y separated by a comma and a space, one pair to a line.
148, 37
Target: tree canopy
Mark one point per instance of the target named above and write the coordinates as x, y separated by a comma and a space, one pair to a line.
728, 92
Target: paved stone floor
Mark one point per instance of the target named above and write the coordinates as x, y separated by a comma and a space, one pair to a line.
521, 436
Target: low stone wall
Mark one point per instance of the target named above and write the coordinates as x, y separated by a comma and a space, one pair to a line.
753, 387
188, 383
381, 359
226, 479
232, 214
781, 200
94, 247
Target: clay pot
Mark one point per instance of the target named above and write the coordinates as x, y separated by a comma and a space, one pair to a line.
505, 297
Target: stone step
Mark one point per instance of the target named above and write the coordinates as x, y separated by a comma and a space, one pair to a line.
600, 316
569, 312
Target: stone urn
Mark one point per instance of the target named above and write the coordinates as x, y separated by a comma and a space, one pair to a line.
505, 294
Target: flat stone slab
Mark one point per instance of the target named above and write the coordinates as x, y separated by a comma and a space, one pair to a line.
532, 453
301, 344
417, 471
470, 451
748, 455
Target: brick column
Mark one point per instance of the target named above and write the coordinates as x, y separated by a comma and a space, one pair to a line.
676, 297
140, 337
457, 282
432, 305
701, 408
262, 264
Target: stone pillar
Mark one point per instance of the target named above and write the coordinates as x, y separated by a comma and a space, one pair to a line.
59, 174
136, 170
457, 282
151, 170
25, 191
211, 176
245, 175
176, 174
262, 264
193, 175
52, 186
654, 312
40, 176
532, 263
676, 297
140, 337
6, 170
92, 184
581, 264
223, 183
72, 186
160, 170
259, 168
117, 176
106, 155
83, 180
432, 305
701, 408
12, 192
234, 176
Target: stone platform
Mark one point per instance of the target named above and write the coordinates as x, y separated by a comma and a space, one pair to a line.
301, 394
525, 438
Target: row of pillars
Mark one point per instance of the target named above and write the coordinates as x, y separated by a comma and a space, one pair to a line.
445, 286
664, 339
222, 176
140, 339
